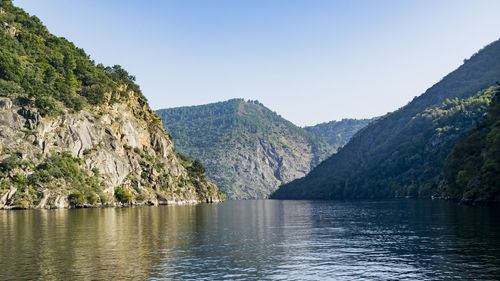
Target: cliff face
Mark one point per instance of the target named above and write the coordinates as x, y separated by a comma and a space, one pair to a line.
248, 149
117, 150
76, 134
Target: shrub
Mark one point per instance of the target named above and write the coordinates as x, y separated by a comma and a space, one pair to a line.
9, 163
76, 198
18, 178
123, 195
197, 168
91, 197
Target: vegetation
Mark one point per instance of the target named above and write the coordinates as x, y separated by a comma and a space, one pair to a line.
225, 137
50, 72
47, 75
123, 195
472, 171
338, 133
403, 153
55, 172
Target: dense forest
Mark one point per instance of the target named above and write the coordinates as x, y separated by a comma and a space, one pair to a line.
472, 170
49, 71
402, 153
338, 133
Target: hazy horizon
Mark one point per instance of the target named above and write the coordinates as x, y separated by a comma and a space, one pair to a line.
310, 61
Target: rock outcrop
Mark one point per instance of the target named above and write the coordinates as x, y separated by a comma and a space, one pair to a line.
248, 149
74, 133
117, 148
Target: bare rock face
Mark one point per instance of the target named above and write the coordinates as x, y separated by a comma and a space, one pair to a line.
247, 149
121, 146
5, 103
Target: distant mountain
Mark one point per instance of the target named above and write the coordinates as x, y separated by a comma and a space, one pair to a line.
403, 152
472, 171
338, 133
248, 150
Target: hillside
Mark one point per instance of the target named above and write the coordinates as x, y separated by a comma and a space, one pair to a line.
247, 149
77, 134
472, 171
402, 153
338, 133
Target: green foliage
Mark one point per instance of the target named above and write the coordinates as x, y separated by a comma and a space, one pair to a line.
54, 172
9, 163
197, 168
96, 171
225, 130
58, 166
338, 133
76, 198
123, 195
472, 170
184, 159
407, 147
51, 71
394, 158
222, 196
65, 167
18, 178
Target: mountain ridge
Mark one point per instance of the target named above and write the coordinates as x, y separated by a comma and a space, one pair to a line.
338, 133
382, 161
247, 148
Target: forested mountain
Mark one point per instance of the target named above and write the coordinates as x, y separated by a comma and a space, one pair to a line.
472, 171
338, 133
403, 152
247, 149
74, 134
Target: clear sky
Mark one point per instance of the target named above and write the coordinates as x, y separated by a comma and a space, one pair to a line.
309, 60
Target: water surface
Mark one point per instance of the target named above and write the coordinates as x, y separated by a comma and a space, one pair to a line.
261, 239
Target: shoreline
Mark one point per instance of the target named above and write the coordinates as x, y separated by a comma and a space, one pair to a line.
114, 205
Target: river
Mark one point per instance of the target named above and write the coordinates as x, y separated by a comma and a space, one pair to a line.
255, 240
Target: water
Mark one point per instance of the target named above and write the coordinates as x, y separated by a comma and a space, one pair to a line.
287, 240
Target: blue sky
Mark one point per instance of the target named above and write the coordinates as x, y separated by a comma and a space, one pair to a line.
309, 60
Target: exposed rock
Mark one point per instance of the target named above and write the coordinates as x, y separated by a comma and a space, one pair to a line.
247, 149
109, 139
5, 103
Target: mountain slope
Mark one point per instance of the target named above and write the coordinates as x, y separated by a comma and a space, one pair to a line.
246, 148
338, 133
76, 134
472, 171
402, 153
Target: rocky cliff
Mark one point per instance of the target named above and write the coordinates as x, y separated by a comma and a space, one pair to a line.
77, 134
118, 159
248, 149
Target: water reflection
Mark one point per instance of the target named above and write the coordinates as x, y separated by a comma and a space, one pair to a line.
398, 239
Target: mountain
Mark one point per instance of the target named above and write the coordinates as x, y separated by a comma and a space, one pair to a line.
76, 134
472, 171
338, 133
403, 152
247, 149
